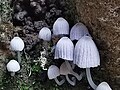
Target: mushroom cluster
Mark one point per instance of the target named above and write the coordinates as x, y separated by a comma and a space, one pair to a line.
16, 45
79, 50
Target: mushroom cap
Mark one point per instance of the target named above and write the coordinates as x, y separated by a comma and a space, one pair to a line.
60, 26
64, 49
13, 66
17, 44
86, 54
63, 69
103, 86
45, 34
53, 72
78, 31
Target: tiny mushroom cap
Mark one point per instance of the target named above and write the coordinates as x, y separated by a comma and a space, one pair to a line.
61, 26
53, 72
103, 86
78, 30
86, 54
13, 66
17, 44
64, 49
63, 69
45, 34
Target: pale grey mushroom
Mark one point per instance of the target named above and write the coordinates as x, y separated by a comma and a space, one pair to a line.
61, 26
53, 73
78, 31
103, 86
13, 66
65, 71
17, 45
86, 55
45, 35
64, 49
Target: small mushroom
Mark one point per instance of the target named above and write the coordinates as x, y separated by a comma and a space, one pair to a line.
45, 34
61, 26
86, 55
53, 73
17, 45
78, 31
64, 50
65, 71
13, 66
103, 86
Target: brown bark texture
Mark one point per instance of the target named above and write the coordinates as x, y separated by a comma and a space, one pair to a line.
102, 17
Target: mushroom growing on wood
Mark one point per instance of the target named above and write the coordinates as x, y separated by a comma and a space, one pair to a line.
13, 66
86, 55
53, 73
61, 26
78, 31
64, 49
45, 34
17, 45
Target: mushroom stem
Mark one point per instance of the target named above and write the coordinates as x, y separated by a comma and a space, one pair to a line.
72, 82
53, 49
12, 74
71, 71
45, 43
19, 56
59, 82
89, 78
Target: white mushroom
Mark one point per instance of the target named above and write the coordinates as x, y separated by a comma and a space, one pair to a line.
103, 86
78, 31
45, 34
60, 26
65, 71
17, 45
86, 55
53, 73
64, 50
13, 66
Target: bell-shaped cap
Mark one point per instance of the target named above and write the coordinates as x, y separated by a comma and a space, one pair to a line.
53, 72
103, 86
45, 34
86, 54
78, 30
60, 26
17, 44
63, 69
13, 66
64, 49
